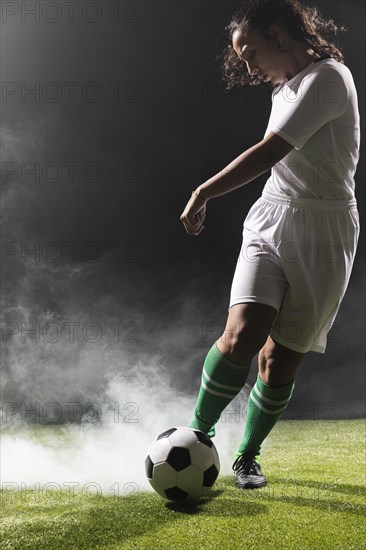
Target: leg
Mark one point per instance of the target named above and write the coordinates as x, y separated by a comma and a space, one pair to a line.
227, 363
271, 393
268, 399
246, 331
277, 364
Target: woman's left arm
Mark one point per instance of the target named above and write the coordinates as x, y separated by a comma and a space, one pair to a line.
246, 167
254, 162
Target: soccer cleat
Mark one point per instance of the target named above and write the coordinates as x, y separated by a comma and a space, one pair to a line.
248, 473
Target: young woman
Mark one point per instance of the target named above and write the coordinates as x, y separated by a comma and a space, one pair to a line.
300, 237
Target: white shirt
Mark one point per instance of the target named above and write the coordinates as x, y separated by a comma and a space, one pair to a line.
316, 112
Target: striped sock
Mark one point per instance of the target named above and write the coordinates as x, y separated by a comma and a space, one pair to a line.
221, 381
265, 406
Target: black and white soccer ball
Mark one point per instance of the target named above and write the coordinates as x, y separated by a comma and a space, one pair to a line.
182, 464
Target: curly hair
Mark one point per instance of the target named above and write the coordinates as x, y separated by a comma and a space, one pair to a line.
303, 23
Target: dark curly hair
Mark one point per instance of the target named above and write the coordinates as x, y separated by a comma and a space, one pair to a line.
303, 23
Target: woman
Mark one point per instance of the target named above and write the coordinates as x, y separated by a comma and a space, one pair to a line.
300, 237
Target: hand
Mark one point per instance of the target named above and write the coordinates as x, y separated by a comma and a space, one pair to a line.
194, 214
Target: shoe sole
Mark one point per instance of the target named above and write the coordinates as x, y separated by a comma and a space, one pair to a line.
251, 485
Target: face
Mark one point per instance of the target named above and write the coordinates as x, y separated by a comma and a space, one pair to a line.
262, 57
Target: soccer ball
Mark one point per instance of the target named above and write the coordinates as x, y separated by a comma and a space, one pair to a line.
182, 464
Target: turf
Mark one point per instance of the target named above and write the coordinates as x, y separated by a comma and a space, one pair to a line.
315, 499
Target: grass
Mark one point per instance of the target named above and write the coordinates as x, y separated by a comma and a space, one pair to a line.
315, 499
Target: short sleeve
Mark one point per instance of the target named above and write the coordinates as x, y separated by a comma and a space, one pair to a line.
322, 96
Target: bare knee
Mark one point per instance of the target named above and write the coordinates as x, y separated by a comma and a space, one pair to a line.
246, 331
277, 364
242, 343
267, 367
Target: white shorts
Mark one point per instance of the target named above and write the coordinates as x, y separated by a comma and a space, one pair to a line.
297, 256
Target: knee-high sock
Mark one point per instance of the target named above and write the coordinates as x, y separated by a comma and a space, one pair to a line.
221, 381
265, 406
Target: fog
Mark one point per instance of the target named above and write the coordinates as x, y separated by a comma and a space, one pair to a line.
108, 307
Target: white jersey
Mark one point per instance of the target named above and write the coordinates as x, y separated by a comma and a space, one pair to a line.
316, 112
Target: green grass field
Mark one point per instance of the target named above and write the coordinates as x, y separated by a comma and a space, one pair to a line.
315, 499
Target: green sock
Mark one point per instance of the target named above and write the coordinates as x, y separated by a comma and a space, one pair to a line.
265, 406
221, 381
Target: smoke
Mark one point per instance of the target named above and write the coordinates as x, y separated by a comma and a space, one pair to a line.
107, 309
107, 458
81, 411
106, 454
100, 356
95, 364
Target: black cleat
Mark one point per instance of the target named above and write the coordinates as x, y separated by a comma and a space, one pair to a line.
248, 473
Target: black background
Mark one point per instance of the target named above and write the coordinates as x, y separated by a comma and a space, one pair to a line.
131, 265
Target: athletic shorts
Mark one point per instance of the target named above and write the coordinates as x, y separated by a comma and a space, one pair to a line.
297, 256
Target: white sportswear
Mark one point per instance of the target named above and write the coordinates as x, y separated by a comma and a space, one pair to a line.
316, 112
300, 237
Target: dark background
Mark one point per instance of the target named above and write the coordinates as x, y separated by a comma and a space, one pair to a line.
99, 277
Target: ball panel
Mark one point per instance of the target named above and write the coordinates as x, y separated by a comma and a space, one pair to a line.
157, 488
176, 494
149, 467
183, 438
159, 450
164, 475
210, 476
166, 433
201, 456
179, 458
201, 436
190, 479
